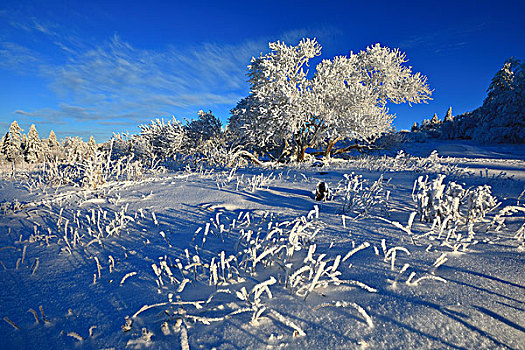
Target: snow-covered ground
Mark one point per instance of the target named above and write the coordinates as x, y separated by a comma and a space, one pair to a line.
246, 258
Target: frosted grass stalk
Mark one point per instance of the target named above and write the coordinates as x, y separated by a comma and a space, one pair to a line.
126, 276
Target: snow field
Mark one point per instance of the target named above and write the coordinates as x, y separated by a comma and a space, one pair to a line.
246, 258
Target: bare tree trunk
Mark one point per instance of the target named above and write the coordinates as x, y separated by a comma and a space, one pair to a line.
301, 153
330, 146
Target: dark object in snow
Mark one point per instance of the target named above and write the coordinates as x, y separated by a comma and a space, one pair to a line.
321, 191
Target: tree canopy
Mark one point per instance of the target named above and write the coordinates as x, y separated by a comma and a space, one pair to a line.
345, 99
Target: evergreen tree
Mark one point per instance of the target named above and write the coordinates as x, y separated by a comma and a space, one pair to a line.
502, 116
53, 149
23, 144
206, 127
92, 146
12, 145
448, 127
3, 145
503, 81
33, 147
52, 141
448, 116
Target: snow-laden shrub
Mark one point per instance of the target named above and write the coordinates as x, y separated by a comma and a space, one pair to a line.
206, 127
406, 162
103, 167
244, 182
75, 149
437, 202
435, 199
479, 202
165, 139
216, 154
361, 197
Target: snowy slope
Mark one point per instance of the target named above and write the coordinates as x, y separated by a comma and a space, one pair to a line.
76, 263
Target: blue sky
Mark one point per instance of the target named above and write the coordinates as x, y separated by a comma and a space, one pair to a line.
98, 67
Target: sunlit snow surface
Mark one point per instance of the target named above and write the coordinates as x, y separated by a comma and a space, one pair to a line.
124, 238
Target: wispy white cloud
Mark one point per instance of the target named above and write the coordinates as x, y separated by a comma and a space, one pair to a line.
116, 77
18, 58
439, 41
117, 83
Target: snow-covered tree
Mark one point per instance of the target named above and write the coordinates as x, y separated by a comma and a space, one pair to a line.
501, 118
23, 144
448, 125
350, 93
76, 149
91, 146
53, 149
503, 110
52, 141
12, 145
203, 129
503, 81
346, 98
448, 116
2, 145
165, 139
275, 113
33, 151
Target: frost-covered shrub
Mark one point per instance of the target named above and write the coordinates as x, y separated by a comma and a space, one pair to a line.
405, 162
207, 128
75, 149
103, 167
125, 145
451, 203
479, 202
437, 200
361, 197
165, 139
391, 140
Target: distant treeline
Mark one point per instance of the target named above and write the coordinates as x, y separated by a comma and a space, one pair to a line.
501, 118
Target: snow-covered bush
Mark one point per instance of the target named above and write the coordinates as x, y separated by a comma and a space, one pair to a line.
390, 141
102, 167
451, 204
165, 139
479, 202
361, 197
125, 145
75, 149
207, 128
